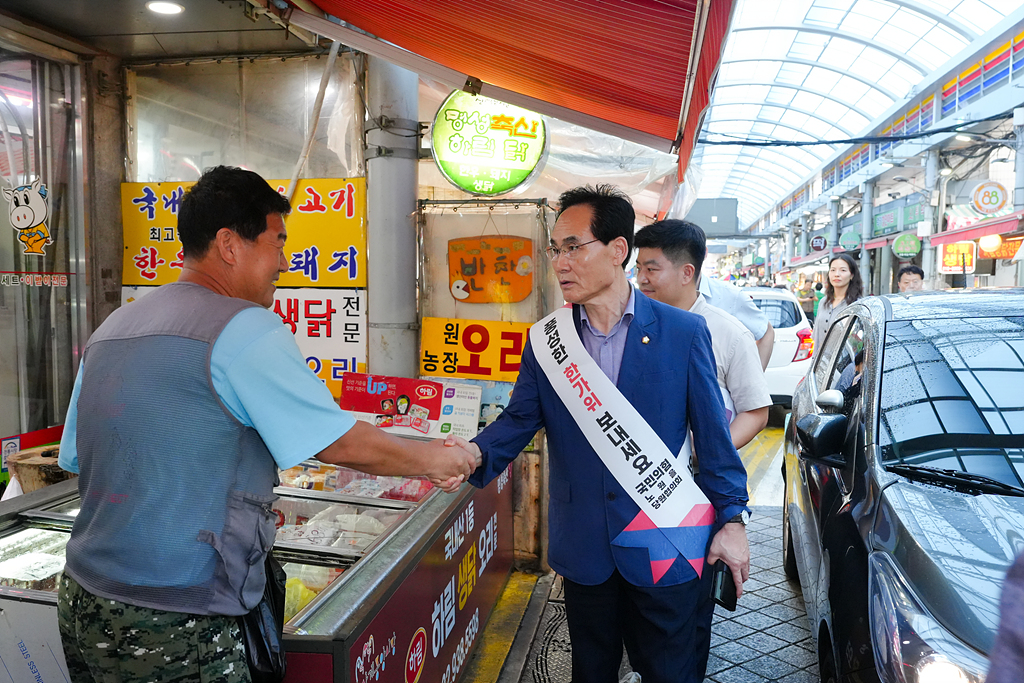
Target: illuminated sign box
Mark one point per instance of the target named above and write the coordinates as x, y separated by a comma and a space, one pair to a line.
486, 147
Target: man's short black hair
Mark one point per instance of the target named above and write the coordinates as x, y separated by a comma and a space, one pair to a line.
226, 197
680, 241
912, 269
613, 212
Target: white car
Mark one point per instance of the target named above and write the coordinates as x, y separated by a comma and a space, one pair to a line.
794, 343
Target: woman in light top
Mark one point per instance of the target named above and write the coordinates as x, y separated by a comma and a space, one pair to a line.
843, 288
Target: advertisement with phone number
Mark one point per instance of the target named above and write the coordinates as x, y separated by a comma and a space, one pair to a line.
428, 628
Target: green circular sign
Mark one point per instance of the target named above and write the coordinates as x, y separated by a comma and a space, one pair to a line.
849, 239
486, 147
906, 246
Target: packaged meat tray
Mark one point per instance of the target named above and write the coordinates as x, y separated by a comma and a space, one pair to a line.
316, 476
335, 525
32, 559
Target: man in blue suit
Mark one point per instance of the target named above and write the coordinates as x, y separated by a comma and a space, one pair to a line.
661, 360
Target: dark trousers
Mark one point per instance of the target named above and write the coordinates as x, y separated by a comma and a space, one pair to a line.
666, 629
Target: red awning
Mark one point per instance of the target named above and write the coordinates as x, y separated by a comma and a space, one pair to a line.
876, 243
992, 226
619, 67
804, 260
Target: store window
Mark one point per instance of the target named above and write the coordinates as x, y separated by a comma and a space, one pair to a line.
42, 287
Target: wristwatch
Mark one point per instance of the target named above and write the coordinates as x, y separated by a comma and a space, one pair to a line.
742, 518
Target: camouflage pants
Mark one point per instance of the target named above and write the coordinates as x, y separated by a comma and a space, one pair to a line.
111, 642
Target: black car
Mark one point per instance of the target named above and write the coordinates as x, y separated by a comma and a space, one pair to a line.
904, 495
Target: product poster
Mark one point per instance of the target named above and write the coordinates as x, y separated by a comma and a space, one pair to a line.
412, 407
473, 349
326, 244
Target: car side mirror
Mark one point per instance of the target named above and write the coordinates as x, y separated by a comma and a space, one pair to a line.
831, 399
821, 437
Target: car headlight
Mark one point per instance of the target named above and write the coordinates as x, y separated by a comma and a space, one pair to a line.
910, 645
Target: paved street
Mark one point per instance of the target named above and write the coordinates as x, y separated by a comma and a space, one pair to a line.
766, 638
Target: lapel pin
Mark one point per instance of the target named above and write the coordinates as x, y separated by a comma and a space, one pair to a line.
645, 340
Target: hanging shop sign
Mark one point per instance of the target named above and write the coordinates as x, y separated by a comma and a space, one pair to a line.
490, 269
486, 147
326, 233
885, 223
913, 214
475, 349
989, 197
1006, 249
819, 243
958, 258
906, 246
849, 239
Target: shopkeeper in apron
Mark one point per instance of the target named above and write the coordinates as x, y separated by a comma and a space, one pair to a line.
617, 379
186, 403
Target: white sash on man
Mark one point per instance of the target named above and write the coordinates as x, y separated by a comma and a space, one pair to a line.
675, 517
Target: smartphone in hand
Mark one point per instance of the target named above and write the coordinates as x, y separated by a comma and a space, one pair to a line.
723, 587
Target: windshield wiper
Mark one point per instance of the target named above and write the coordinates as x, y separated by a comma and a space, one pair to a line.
966, 482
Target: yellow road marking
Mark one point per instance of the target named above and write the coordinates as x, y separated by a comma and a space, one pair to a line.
759, 453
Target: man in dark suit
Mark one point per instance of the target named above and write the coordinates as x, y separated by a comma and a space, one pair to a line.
660, 358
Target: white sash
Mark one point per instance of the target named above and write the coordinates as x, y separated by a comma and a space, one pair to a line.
631, 450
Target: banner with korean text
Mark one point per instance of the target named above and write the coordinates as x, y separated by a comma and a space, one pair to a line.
472, 349
326, 233
675, 517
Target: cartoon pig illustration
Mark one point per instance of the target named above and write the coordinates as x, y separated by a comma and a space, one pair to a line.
29, 210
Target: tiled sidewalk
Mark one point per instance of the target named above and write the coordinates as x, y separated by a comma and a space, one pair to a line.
765, 639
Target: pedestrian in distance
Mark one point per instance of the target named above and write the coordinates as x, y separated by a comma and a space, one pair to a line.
186, 403
843, 288
910, 279
635, 361
819, 294
804, 292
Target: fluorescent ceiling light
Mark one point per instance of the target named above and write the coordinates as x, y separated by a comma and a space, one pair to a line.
161, 7
964, 138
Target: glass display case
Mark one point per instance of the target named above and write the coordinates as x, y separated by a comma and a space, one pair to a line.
313, 475
32, 559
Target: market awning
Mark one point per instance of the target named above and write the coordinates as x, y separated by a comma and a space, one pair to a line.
805, 260
638, 69
876, 243
993, 226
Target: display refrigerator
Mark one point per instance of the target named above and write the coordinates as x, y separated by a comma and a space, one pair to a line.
389, 579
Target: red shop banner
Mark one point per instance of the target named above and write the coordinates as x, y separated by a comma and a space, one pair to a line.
425, 632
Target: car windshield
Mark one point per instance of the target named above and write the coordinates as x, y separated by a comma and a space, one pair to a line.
951, 396
780, 312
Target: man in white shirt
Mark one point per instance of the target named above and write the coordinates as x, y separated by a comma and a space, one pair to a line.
738, 304
671, 253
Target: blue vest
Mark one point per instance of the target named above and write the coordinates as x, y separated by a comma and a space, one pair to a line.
176, 492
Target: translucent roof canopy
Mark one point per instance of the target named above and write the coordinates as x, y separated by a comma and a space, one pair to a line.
820, 70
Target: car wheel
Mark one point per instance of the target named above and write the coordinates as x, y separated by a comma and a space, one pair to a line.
826, 660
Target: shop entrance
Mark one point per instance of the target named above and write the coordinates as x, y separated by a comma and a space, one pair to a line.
42, 297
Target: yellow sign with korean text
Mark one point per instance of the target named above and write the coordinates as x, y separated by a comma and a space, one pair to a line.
326, 233
483, 270
474, 349
958, 258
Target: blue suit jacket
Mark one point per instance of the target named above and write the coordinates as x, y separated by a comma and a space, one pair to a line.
672, 383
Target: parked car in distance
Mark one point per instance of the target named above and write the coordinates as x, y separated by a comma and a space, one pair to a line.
904, 484
794, 342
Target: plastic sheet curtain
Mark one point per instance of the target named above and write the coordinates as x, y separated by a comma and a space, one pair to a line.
242, 112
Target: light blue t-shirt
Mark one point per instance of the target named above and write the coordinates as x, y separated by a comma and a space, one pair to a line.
262, 378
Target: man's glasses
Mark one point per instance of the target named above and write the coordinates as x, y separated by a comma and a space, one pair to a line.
570, 250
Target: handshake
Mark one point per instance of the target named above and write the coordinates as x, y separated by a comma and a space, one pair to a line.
453, 460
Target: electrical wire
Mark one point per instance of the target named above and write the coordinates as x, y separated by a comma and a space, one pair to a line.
748, 142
